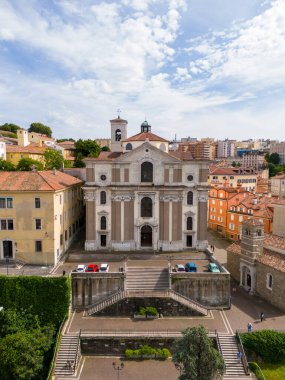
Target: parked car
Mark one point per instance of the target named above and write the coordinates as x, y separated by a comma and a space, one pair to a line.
190, 267
80, 268
104, 268
179, 268
92, 268
212, 267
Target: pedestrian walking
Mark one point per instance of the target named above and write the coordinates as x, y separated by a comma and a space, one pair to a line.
262, 316
249, 327
239, 356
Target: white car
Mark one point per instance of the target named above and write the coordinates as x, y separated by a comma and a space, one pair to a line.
104, 268
80, 268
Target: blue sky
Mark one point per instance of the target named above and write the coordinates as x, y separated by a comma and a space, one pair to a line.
195, 68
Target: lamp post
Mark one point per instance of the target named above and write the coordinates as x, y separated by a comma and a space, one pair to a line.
118, 368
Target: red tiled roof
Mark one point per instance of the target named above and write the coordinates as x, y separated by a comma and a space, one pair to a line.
105, 156
143, 136
36, 181
31, 148
280, 176
183, 156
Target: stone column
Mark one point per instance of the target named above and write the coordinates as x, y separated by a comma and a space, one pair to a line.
122, 221
90, 242
170, 222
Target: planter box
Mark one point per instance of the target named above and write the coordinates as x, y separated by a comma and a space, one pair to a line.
143, 317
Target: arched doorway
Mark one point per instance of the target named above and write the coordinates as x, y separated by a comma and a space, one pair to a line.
146, 236
246, 278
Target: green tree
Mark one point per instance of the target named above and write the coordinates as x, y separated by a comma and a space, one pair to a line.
274, 158
78, 163
9, 127
40, 128
67, 164
63, 140
22, 354
234, 164
6, 165
27, 164
53, 159
105, 149
197, 356
87, 148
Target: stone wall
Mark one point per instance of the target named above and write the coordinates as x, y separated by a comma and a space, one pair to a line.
165, 306
233, 265
117, 346
88, 288
209, 289
275, 296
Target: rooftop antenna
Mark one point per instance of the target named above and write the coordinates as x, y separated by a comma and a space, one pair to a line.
119, 111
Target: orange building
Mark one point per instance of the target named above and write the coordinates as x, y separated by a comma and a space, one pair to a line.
229, 207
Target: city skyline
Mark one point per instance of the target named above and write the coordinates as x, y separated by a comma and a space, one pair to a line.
191, 69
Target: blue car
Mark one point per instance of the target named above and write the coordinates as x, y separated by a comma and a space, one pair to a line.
190, 267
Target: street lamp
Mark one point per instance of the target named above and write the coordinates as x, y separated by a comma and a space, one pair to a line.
118, 368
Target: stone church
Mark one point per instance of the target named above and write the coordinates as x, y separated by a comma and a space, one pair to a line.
142, 196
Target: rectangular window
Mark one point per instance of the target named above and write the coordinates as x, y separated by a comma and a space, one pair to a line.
60, 218
61, 239
213, 201
38, 246
232, 217
38, 223
231, 226
60, 199
73, 228
6, 224
6, 202
37, 202
69, 230
65, 235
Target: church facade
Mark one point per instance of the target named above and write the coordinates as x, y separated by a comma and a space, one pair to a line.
141, 196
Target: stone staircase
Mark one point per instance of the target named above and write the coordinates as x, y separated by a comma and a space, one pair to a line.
69, 351
149, 278
102, 304
228, 347
188, 302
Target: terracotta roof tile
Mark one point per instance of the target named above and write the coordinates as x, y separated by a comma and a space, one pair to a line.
273, 259
143, 136
31, 148
183, 156
36, 181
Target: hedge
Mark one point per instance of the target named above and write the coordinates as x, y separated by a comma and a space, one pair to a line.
147, 352
269, 345
47, 297
149, 310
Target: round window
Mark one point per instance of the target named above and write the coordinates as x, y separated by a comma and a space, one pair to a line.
190, 177
146, 150
103, 177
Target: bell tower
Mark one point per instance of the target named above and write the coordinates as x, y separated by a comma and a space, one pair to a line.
118, 133
251, 247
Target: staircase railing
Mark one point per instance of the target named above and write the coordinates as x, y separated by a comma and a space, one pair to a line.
197, 306
243, 358
117, 296
78, 352
56, 346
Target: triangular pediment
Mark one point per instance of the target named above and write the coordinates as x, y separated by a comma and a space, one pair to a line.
146, 150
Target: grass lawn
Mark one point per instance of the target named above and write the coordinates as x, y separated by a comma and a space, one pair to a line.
273, 371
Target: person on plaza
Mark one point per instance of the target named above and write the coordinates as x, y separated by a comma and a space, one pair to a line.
239, 356
249, 327
262, 316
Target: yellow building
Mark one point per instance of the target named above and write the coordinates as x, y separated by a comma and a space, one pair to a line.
40, 214
233, 177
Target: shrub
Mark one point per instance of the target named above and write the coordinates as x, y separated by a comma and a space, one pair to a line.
47, 297
149, 310
269, 345
254, 367
148, 352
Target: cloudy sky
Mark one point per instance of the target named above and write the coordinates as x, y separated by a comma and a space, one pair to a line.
195, 68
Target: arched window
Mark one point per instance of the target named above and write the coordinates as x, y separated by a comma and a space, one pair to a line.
162, 147
103, 197
189, 223
146, 207
118, 135
103, 223
146, 172
129, 146
190, 197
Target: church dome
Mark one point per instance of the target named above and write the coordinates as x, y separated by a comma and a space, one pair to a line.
145, 127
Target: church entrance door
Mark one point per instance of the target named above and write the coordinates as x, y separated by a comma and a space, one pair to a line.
146, 236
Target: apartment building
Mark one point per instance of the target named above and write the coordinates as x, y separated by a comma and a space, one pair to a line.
229, 207
40, 214
278, 185
226, 148
278, 147
199, 150
233, 177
